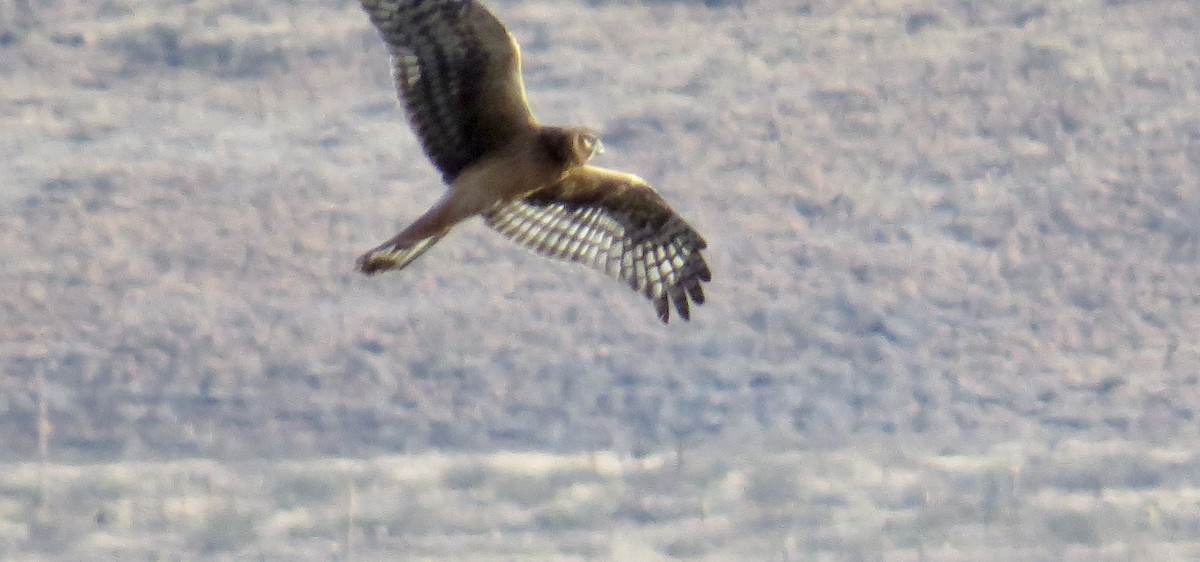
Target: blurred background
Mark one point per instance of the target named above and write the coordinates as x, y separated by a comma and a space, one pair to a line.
953, 311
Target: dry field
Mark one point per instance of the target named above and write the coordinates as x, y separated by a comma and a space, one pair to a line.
956, 256
1085, 501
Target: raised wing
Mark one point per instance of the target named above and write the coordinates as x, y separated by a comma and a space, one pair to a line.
458, 74
615, 223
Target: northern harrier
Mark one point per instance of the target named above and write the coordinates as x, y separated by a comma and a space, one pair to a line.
458, 74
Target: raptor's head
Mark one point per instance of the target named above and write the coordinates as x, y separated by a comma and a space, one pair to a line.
586, 144
571, 146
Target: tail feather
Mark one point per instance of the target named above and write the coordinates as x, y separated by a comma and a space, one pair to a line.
394, 255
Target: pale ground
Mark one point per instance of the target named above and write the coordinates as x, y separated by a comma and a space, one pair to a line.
956, 267
1080, 500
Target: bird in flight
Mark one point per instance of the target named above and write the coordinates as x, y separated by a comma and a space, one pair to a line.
458, 75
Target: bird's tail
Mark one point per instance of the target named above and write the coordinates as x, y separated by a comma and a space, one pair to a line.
414, 240
395, 254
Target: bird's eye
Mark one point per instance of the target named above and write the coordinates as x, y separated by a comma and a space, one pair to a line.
589, 144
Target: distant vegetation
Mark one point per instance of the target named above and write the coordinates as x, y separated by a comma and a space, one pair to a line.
1017, 502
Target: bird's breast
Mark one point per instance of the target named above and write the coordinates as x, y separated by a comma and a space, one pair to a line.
504, 176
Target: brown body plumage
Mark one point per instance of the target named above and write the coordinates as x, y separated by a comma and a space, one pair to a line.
458, 74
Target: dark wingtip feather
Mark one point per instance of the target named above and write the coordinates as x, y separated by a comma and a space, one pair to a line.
663, 309
679, 296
